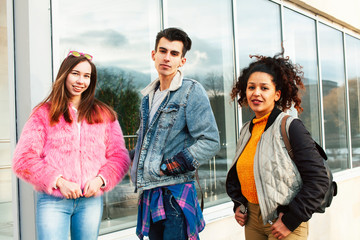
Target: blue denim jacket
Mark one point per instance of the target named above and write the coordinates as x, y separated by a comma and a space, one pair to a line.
183, 122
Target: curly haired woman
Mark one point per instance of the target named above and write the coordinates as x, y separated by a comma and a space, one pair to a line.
274, 196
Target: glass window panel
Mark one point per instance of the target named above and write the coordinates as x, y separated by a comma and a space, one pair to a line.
4, 85
300, 46
258, 32
120, 35
4, 96
210, 61
5, 156
353, 74
333, 84
6, 218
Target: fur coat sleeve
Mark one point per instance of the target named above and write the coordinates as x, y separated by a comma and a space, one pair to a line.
117, 156
29, 162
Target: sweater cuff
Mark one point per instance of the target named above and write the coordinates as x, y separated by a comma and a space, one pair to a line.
190, 160
236, 205
54, 185
184, 161
104, 180
291, 221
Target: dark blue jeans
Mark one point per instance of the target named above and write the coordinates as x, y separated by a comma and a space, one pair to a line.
174, 226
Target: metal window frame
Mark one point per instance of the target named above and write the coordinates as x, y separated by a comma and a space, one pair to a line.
12, 106
347, 105
320, 89
32, 79
237, 108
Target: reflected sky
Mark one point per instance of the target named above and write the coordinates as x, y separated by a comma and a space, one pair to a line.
258, 29
300, 43
300, 46
116, 33
120, 33
331, 54
209, 25
353, 57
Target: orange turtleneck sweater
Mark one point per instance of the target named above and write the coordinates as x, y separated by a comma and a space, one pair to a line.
245, 163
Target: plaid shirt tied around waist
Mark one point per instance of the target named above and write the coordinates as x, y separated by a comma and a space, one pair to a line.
151, 206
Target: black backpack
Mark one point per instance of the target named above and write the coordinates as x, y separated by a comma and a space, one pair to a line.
332, 190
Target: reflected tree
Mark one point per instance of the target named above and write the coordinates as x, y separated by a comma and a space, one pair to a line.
334, 120
354, 100
116, 89
213, 172
307, 103
335, 127
214, 85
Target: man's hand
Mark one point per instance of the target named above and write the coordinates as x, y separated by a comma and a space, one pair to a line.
279, 230
92, 186
69, 190
178, 164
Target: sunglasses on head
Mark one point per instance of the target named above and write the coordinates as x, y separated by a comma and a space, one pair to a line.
78, 54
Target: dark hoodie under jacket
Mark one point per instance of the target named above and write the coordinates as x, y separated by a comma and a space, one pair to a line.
310, 165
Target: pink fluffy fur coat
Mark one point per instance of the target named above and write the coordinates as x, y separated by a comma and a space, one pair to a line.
46, 152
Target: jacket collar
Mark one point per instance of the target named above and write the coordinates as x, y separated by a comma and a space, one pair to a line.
273, 115
174, 85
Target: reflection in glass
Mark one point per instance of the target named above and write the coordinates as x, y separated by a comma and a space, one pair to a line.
258, 32
353, 74
6, 218
300, 46
6, 206
210, 61
333, 84
120, 35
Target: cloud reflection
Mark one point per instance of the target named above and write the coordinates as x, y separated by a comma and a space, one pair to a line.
108, 37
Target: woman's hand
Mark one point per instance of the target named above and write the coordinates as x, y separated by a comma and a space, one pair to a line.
69, 190
92, 186
240, 217
279, 230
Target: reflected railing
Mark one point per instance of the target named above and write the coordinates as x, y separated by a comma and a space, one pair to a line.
130, 141
120, 204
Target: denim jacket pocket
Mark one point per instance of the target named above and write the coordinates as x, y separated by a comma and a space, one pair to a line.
154, 167
168, 116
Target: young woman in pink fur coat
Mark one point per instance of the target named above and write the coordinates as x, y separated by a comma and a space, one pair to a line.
72, 151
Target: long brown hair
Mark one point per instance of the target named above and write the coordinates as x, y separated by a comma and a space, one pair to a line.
93, 110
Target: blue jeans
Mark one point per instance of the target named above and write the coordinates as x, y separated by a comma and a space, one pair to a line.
174, 226
55, 217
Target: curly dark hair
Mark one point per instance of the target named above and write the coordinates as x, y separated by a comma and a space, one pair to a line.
287, 78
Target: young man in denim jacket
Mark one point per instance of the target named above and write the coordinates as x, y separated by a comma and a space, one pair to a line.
177, 132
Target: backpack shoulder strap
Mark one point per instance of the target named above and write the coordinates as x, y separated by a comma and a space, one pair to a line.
285, 136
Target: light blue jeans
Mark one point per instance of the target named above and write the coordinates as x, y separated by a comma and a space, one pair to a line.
55, 217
